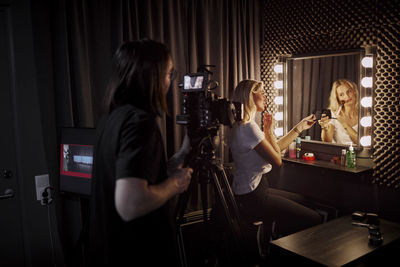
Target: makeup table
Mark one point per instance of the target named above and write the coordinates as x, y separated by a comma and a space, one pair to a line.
337, 243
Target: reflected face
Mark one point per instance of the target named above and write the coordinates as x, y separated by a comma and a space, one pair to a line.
345, 95
259, 99
168, 76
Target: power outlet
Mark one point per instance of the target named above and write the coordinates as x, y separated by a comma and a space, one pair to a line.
42, 181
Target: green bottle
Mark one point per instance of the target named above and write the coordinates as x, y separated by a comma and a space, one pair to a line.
350, 157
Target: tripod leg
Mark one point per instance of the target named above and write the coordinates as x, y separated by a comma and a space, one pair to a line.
233, 221
227, 188
179, 214
181, 206
181, 247
204, 201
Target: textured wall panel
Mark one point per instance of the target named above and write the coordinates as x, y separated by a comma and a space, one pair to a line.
301, 27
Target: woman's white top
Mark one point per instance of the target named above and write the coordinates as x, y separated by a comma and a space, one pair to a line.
249, 165
340, 134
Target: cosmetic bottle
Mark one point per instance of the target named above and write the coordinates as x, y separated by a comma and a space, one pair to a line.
343, 158
350, 157
298, 147
292, 150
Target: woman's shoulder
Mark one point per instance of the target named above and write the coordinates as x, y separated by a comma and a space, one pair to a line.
241, 126
248, 128
247, 124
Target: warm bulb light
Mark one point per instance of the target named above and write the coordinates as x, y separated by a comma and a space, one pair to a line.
366, 101
278, 100
278, 84
278, 131
367, 62
366, 81
278, 68
365, 140
278, 116
366, 121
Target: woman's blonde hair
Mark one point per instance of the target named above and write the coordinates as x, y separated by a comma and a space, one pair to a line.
243, 94
333, 98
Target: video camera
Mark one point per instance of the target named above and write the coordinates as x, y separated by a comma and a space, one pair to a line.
202, 109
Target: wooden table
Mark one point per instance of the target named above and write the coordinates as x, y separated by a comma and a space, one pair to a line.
337, 243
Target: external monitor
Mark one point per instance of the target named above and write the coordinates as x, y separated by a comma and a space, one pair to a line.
194, 82
76, 160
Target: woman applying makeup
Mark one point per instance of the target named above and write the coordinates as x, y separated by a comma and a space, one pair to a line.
343, 103
255, 152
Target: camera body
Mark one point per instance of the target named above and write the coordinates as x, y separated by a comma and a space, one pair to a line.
201, 108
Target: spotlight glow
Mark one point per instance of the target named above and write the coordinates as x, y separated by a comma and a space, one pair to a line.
278, 100
366, 81
278, 68
278, 131
278, 116
278, 84
367, 62
366, 101
365, 140
366, 121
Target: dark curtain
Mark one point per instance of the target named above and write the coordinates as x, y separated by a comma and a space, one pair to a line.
310, 82
86, 33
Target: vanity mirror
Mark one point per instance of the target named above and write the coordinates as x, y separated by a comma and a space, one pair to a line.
307, 85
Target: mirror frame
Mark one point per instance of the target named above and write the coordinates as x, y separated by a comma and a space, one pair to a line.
362, 91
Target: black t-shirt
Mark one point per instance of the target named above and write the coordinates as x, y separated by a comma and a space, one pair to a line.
129, 144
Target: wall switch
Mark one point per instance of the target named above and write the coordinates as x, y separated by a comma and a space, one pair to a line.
42, 181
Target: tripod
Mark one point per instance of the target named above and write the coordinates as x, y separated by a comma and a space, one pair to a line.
207, 169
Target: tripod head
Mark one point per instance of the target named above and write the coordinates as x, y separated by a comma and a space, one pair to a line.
202, 145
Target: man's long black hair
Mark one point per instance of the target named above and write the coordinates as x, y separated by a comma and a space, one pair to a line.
137, 77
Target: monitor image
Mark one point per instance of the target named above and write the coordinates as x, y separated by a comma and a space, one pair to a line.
194, 82
76, 160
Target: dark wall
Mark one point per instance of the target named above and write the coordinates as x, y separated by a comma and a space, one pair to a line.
311, 26
51, 65
40, 236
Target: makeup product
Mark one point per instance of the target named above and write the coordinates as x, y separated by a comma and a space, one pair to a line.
350, 157
298, 147
339, 109
309, 156
292, 150
343, 158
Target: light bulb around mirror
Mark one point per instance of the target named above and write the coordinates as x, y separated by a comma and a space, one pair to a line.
366, 101
366, 121
365, 140
278, 131
278, 116
278, 68
278, 100
367, 62
278, 84
366, 81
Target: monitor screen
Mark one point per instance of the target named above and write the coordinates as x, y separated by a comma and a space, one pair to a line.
76, 160
194, 82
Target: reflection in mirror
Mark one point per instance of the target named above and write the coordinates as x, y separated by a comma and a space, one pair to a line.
309, 82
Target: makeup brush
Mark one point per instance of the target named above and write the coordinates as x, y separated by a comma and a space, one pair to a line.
339, 109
